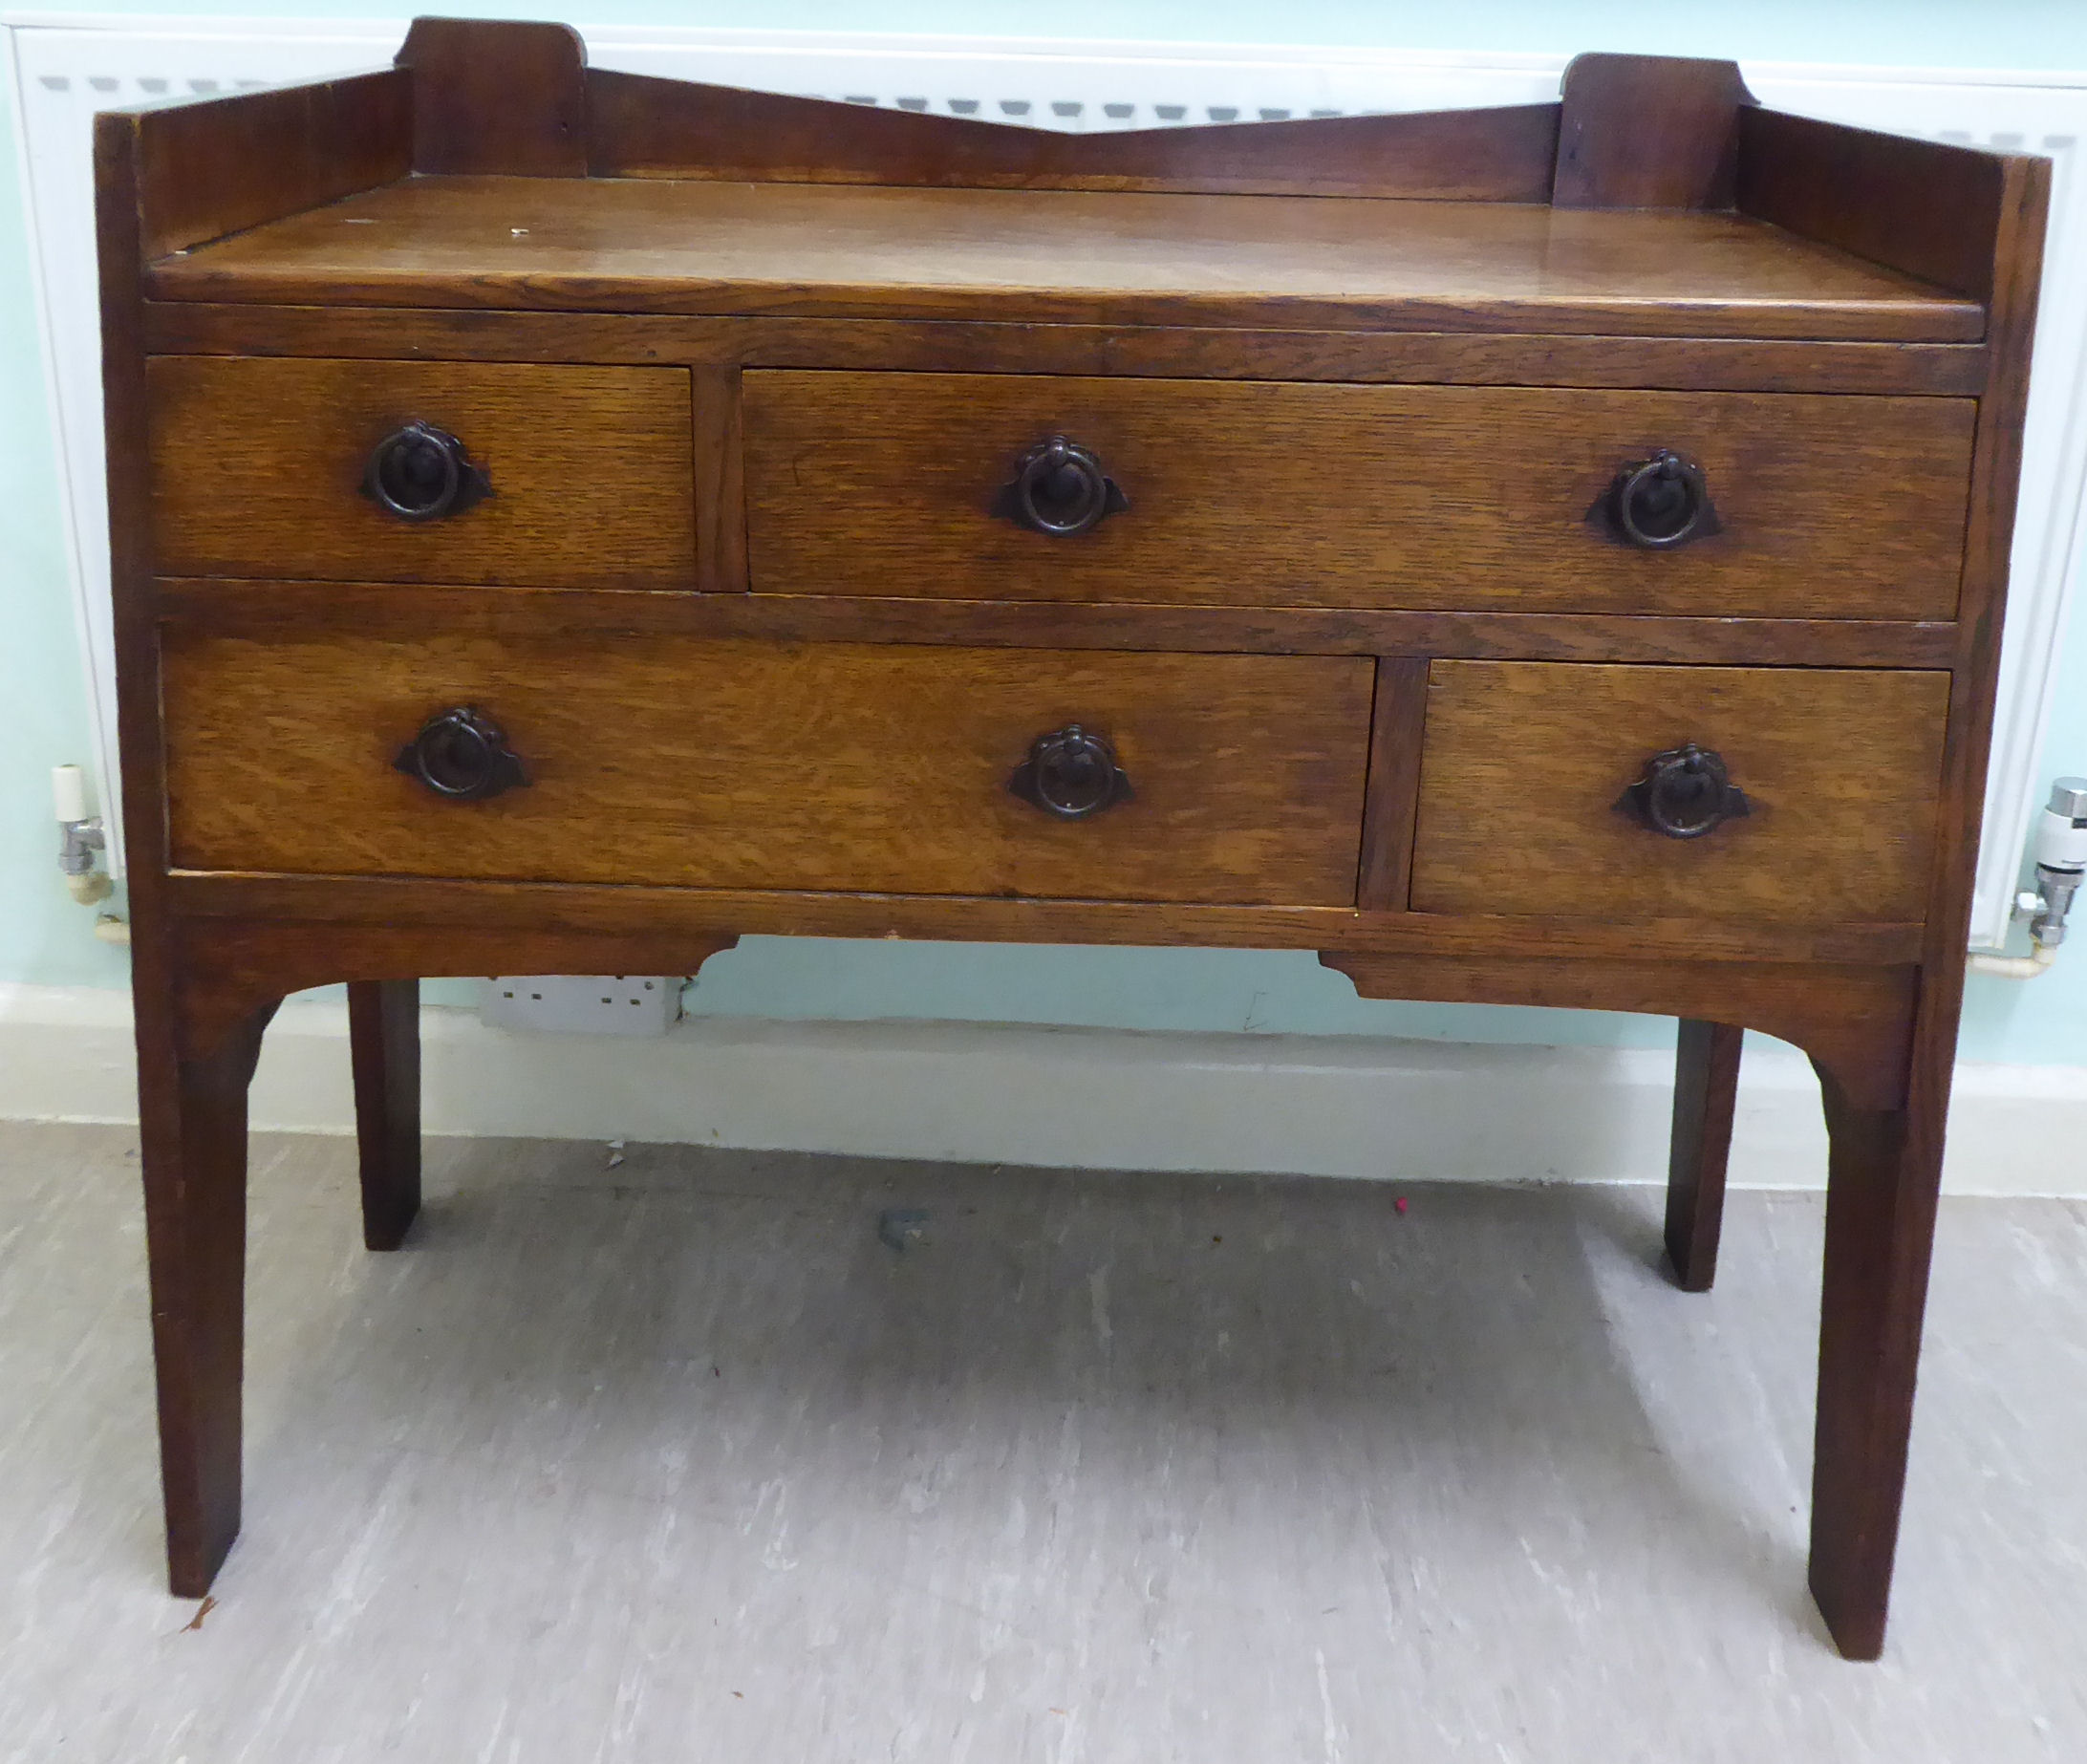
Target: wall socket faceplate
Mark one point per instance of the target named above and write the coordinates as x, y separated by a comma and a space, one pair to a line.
581, 1003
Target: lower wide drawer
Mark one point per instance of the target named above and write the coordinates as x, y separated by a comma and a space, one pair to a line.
742, 765
1536, 780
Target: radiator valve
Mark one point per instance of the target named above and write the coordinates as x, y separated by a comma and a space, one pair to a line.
2061, 860
2061, 864
80, 838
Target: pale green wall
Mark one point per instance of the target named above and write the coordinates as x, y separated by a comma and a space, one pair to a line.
43, 693
45, 938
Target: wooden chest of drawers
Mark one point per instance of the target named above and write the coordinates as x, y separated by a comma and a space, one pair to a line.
1553, 556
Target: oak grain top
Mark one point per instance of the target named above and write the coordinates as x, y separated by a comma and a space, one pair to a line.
659, 246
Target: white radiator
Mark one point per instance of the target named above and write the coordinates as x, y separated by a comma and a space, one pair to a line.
65, 68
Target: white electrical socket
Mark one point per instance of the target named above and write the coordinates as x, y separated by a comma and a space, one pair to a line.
580, 1003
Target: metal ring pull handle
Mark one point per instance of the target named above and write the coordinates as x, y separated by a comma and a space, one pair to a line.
1685, 793
1060, 489
422, 473
462, 756
1071, 773
1661, 503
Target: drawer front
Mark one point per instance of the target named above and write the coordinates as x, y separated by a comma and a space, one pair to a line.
741, 764
1254, 493
1527, 803
261, 468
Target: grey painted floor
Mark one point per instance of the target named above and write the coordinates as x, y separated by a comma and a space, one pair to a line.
680, 1461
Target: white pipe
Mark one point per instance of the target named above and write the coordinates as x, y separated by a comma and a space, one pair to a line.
2017, 967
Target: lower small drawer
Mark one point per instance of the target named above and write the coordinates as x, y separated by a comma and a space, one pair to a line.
1545, 787
742, 765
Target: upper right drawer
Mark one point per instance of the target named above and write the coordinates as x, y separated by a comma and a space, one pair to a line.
989, 487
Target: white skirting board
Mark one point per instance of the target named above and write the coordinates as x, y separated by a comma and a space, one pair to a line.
1396, 1110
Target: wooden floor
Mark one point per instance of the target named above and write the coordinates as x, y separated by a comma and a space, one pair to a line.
767, 1459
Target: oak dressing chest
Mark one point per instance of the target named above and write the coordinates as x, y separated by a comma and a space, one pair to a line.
1555, 556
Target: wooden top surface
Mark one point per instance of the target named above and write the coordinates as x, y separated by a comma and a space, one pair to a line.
661, 246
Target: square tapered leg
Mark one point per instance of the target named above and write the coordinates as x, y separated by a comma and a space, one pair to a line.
1705, 1087
385, 1046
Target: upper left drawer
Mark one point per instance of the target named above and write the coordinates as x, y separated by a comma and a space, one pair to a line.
422, 471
